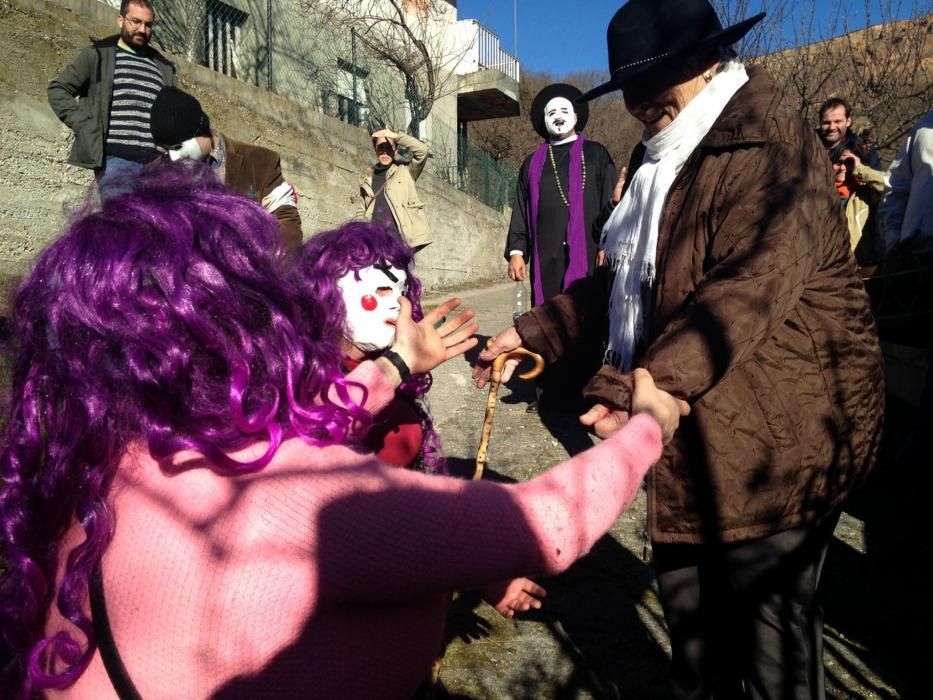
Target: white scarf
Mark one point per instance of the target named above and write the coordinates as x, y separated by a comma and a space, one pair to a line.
630, 236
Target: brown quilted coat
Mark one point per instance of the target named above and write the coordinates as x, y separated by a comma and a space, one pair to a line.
759, 320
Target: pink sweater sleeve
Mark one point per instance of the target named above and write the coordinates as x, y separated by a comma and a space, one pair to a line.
367, 386
400, 534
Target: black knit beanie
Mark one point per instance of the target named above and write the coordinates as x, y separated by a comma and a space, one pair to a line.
177, 116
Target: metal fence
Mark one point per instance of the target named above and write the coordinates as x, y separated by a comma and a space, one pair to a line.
278, 46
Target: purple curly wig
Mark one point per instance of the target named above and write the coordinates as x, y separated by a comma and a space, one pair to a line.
162, 318
330, 255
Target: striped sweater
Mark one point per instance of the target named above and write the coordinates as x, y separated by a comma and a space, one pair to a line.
136, 82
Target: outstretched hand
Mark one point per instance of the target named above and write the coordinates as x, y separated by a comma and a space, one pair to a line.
506, 341
516, 595
422, 346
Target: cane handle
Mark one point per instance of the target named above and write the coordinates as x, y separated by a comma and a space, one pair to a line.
518, 354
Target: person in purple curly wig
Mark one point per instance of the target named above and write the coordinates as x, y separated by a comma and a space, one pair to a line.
159, 324
188, 508
358, 271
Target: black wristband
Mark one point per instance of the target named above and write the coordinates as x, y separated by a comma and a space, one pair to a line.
403, 370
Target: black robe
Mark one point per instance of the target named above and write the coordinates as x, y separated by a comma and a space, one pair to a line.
562, 382
553, 216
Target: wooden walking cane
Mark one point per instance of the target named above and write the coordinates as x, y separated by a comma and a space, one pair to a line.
497, 365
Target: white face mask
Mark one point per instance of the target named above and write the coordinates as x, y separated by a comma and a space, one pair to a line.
372, 304
559, 118
188, 149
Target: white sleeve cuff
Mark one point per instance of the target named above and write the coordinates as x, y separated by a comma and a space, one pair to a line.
282, 196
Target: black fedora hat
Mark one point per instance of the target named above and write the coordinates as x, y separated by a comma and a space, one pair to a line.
644, 34
549, 93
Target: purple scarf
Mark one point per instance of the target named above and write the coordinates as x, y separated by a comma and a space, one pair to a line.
578, 265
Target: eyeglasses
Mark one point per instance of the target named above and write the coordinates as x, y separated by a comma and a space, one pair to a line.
136, 23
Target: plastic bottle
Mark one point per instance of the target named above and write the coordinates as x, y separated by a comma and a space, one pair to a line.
519, 303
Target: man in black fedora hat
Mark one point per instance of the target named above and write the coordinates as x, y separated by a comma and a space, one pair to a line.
730, 278
562, 199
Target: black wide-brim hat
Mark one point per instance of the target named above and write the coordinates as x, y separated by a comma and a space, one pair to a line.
645, 34
549, 93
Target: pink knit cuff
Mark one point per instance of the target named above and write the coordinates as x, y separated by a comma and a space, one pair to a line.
642, 433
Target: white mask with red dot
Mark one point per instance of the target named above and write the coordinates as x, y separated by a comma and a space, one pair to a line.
371, 297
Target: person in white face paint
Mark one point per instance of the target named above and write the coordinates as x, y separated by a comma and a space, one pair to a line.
565, 192
180, 127
361, 272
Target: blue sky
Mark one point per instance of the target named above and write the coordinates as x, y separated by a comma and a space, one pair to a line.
580, 25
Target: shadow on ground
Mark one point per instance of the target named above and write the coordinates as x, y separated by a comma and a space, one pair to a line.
879, 613
593, 612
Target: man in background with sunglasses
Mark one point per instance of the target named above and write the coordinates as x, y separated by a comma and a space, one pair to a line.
115, 81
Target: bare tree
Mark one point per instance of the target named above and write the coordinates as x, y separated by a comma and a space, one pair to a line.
409, 36
881, 65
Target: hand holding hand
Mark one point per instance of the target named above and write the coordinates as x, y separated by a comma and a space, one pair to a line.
506, 341
517, 269
422, 346
510, 597
666, 409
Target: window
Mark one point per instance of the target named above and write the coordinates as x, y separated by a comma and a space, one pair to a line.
350, 96
221, 36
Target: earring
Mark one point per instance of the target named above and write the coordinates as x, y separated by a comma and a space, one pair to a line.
708, 75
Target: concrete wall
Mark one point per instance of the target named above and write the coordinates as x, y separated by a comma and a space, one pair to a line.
321, 156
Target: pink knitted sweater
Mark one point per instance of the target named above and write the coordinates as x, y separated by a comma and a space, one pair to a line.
323, 576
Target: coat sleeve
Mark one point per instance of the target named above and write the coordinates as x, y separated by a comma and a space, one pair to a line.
557, 326
517, 237
765, 246
419, 154
374, 540
280, 198
69, 84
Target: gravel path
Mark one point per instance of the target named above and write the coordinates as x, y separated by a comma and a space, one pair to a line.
601, 633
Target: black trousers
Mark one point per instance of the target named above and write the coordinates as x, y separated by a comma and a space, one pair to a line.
744, 619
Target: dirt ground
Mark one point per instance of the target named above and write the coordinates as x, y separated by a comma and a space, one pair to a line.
601, 633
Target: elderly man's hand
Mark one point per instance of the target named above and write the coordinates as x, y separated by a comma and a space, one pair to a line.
605, 420
506, 341
647, 398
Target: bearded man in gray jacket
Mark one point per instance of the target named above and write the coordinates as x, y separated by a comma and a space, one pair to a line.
105, 95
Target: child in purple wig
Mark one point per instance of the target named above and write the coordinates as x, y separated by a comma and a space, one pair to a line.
325, 260
324, 264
